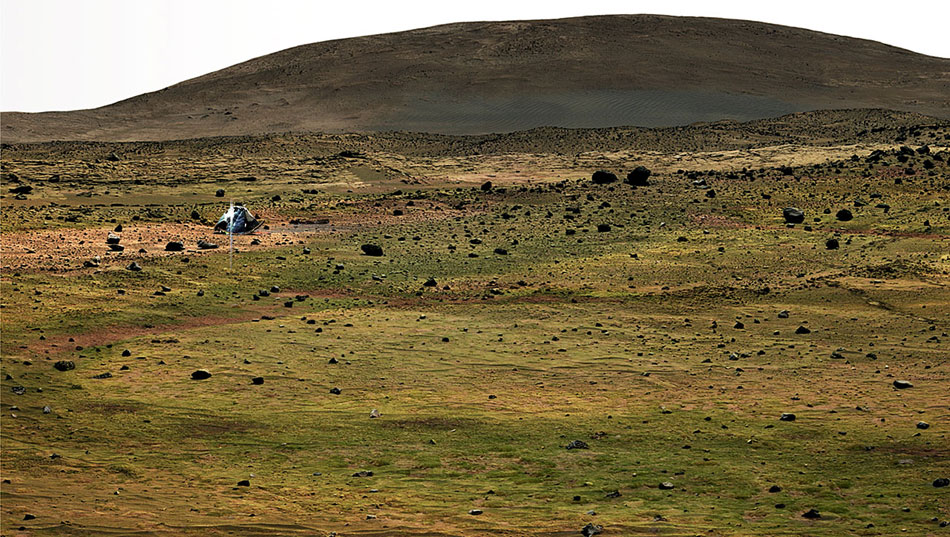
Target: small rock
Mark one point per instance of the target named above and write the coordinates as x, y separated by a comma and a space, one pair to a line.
787, 416
475, 511
844, 215
793, 215
244, 483
374, 413
174, 246
372, 250
941, 482
923, 425
666, 485
802, 330
200, 374
257, 380
335, 391
577, 444
811, 514
902, 384
591, 529
134, 267
64, 365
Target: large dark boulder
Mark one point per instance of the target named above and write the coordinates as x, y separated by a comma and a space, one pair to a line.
372, 250
793, 215
638, 176
844, 215
174, 246
601, 177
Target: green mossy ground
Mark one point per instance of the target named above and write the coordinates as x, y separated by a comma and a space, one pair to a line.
624, 339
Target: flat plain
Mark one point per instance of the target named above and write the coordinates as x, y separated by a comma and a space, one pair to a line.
542, 352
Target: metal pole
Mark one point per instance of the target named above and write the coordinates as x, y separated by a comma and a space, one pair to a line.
231, 237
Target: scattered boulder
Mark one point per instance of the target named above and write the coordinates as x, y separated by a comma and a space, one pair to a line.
113, 238
787, 416
430, 283
639, 176
372, 250
205, 245
923, 425
577, 444
134, 266
219, 193
475, 512
363, 473
335, 391
832, 244
811, 514
174, 246
802, 330
775, 488
200, 374
373, 414
112, 157
603, 228
601, 177
486, 186
941, 482
666, 485
591, 529
64, 365
902, 384
244, 483
257, 380
844, 215
793, 215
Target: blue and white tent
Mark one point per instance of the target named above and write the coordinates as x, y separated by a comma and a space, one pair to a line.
238, 221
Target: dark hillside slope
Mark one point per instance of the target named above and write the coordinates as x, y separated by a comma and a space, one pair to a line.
482, 77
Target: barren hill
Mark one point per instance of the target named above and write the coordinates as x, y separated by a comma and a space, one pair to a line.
485, 77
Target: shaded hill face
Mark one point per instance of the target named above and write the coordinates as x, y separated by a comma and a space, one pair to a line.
473, 78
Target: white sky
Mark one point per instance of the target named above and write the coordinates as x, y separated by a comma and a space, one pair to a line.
73, 54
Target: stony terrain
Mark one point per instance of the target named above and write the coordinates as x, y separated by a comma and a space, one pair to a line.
539, 350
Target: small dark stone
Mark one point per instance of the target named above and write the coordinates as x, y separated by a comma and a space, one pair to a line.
475, 512
174, 246
64, 365
219, 193
126, 353
363, 473
257, 380
666, 485
200, 374
244, 483
372, 250
941, 482
577, 444
775, 488
603, 228
787, 416
591, 529
902, 384
639, 176
811, 514
430, 283
134, 267
29, 517
601, 177
486, 186
832, 244
844, 215
802, 330
105, 375
793, 215
923, 425
335, 391
739, 325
